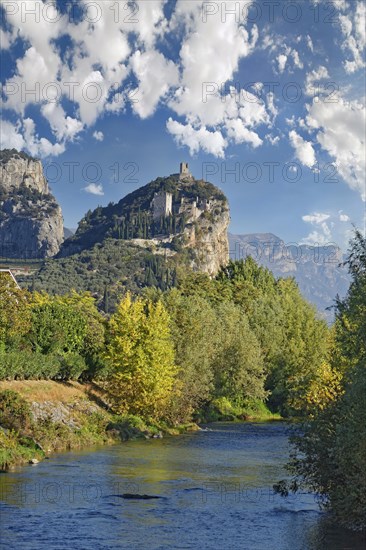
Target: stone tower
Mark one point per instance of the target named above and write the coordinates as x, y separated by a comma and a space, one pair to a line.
184, 170
162, 204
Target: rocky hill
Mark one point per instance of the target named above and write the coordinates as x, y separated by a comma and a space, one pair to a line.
171, 215
31, 224
316, 269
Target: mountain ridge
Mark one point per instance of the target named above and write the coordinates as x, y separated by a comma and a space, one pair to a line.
317, 270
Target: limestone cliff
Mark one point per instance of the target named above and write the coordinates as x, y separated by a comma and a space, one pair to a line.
31, 224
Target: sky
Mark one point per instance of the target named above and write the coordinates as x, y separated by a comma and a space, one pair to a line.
265, 99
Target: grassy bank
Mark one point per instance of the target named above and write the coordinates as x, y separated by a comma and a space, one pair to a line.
222, 409
38, 418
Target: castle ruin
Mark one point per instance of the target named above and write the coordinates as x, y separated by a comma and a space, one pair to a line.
184, 170
162, 205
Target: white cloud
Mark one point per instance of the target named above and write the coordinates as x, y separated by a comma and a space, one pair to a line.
281, 60
10, 138
64, 127
196, 139
343, 217
39, 147
94, 189
99, 136
273, 140
322, 235
155, 75
297, 61
309, 43
340, 128
240, 134
354, 32
303, 149
315, 76
316, 217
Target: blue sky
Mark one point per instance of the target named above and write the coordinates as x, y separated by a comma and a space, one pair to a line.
266, 99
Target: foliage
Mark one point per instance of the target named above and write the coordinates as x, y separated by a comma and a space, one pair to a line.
237, 364
14, 312
113, 267
25, 365
329, 455
140, 352
193, 328
15, 413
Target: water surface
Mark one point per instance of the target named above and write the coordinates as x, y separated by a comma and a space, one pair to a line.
215, 488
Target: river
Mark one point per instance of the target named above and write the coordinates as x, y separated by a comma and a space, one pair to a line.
215, 488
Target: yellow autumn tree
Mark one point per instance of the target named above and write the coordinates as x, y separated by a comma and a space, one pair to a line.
141, 356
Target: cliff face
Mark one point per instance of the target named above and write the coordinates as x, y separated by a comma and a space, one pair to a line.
208, 239
31, 224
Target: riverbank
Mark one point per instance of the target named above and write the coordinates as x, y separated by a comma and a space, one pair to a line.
41, 417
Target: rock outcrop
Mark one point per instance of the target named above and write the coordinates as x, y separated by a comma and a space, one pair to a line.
31, 223
173, 216
208, 239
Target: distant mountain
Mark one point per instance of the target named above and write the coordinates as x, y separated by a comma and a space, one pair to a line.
31, 224
316, 269
68, 232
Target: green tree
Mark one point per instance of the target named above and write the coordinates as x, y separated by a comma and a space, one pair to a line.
330, 451
14, 313
141, 355
238, 363
193, 328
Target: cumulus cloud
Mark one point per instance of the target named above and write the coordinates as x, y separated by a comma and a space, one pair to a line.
10, 138
119, 44
304, 150
64, 127
94, 189
322, 234
156, 75
197, 138
340, 130
281, 60
343, 217
99, 136
353, 29
314, 77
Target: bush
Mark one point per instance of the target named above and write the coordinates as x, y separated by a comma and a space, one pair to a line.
15, 412
25, 365
72, 366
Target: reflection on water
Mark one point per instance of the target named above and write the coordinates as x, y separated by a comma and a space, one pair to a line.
217, 489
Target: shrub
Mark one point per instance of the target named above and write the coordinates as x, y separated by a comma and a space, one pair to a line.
15, 413
25, 365
72, 366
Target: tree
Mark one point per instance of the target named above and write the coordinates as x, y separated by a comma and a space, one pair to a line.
330, 451
238, 363
294, 342
193, 328
14, 312
141, 355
